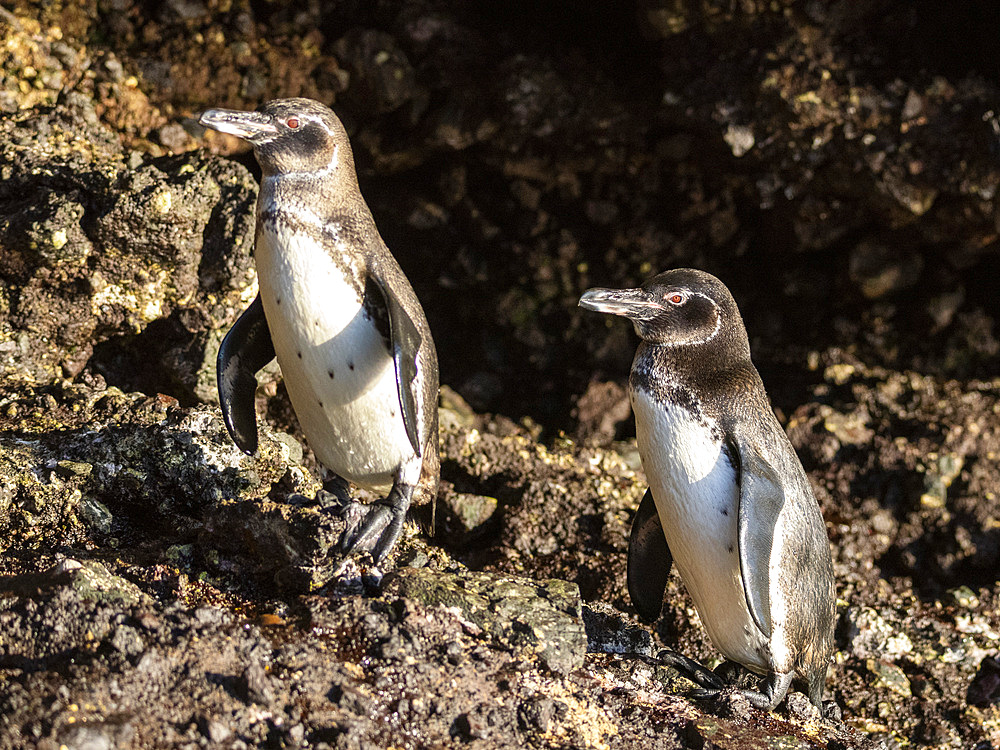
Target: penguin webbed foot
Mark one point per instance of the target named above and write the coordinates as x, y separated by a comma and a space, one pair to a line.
375, 528
772, 688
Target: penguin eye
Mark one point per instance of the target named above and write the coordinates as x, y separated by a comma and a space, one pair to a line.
292, 122
676, 298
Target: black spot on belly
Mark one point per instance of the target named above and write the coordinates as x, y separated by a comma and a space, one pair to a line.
300, 354
330, 373
725, 512
321, 406
277, 301
730, 546
350, 365
392, 413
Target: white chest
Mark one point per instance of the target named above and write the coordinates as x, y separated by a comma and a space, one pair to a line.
337, 369
697, 499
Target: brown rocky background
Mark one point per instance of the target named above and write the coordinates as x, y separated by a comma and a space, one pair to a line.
835, 163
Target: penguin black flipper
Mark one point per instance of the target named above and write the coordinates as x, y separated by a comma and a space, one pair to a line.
245, 349
649, 560
761, 500
404, 343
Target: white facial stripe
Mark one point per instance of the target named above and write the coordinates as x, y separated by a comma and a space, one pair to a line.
322, 123
709, 337
718, 319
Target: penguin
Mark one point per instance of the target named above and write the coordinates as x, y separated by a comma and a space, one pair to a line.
728, 501
350, 336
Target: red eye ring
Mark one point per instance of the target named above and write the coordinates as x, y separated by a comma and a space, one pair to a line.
292, 122
675, 298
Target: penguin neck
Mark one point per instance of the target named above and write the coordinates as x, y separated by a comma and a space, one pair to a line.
317, 200
668, 367
697, 378
331, 186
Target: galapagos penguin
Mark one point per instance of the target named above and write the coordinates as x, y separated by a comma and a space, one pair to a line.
728, 500
351, 338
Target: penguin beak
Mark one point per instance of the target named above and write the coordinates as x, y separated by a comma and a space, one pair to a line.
255, 127
634, 304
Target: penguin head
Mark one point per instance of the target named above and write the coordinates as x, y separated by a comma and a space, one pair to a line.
288, 136
679, 308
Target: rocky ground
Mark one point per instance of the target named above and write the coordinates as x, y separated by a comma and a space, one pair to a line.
834, 162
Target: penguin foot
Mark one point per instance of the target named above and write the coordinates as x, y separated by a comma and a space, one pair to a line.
773, 689
377, 527
697, 673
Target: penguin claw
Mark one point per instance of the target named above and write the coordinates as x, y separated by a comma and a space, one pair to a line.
371, 528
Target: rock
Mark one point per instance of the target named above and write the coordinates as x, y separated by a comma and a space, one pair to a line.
471, 511
880, 271
95, 582
938, 478
97, 515
871, 636
600, 411
155, 245
890, 676
255, 685
215, 730
87, 738
609, 633
542, 616
985, 686
381, 77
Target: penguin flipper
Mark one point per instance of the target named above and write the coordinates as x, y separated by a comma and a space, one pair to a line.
245, 349
649, 560
404, 343
761, 500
